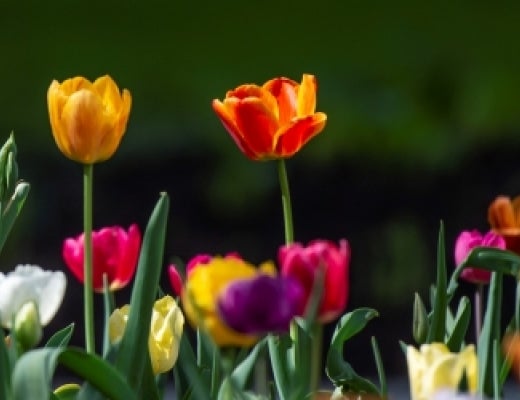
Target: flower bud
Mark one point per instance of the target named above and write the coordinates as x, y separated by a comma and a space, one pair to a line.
27, 326
420, 320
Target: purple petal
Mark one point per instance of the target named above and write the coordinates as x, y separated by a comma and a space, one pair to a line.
260, 305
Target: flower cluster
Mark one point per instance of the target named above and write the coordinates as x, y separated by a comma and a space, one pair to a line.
240, 311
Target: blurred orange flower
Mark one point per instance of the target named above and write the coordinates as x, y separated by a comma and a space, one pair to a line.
504, 218
88, 119
274, 120
511, 350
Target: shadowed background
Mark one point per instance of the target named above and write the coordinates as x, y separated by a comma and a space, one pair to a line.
423, 106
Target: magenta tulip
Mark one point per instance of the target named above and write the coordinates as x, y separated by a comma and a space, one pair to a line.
114, 254
303, 263
468, 240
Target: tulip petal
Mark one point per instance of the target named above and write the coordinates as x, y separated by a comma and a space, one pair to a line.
226, 114
30, 283
84, 118
129, 245
501, 214
292, 138
306, 96
258, 125
285, 91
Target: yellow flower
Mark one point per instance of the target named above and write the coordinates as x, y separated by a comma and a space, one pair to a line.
434, 368
88, 119
165, 332
200, 296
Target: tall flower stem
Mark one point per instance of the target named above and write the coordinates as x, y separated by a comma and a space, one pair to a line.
479, 295
88, 297
286, 202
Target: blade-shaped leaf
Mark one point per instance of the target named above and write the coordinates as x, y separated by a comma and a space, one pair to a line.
460, 325
5, 369
339, 371
33, 373
242, 371
61, 338
438, 321
133, 354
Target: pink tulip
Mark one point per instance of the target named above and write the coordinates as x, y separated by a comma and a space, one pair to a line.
114, 253
468, 240
302, 264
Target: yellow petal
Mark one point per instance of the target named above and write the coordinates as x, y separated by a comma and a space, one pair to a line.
306, 96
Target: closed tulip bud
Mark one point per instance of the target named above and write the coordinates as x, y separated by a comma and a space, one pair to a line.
27, 326
166, 329
420, 320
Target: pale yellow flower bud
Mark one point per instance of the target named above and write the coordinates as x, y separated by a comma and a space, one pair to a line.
165, 332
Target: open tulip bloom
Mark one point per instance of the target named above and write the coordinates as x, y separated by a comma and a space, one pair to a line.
257, 330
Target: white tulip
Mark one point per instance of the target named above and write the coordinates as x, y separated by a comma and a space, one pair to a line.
30, 283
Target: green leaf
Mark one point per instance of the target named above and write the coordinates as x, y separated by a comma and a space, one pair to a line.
187, 367
243, 371
438, 320
33, 373
61, 338
488, 258
5, 369
460, 326
338, 370
133, 356
278, 349
490, 330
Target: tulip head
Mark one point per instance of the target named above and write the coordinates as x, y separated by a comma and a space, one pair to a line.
468, 240
115, 253
260, 305
206, 281
88, 119
434, 368
504, 219
165, 332
274, 120
31, 284
303, 265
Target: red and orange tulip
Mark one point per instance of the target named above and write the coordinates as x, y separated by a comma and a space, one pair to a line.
274, 120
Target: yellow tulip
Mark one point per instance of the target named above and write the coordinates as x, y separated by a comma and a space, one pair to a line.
165, 332
434, 368
88, 119
200, 296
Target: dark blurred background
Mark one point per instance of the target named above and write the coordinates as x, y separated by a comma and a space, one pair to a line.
423, 106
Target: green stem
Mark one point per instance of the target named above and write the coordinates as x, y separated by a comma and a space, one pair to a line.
479, 293
317, 339
87, 259
286, 202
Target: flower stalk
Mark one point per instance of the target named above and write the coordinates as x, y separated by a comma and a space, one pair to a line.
88, 297
286, 202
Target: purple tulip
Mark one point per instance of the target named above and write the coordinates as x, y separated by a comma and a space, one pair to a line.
260, 305
468, 240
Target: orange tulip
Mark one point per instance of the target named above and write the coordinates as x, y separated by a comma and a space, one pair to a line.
274, 120
504, 218
88, 119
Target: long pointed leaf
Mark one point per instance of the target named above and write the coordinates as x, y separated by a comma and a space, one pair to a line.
338, 370
33, 373
5, 369
133, 354
61, 338
438, 322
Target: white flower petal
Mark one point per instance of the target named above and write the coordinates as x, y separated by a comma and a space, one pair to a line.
31, 283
